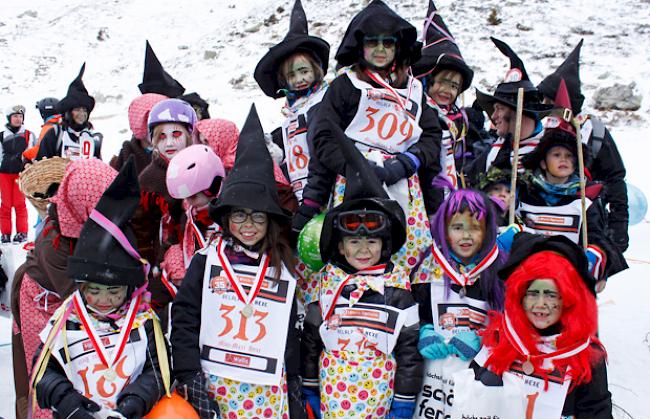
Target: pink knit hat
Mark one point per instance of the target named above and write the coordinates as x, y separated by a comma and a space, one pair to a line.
173, 263
83, 184
222, 136
139, 113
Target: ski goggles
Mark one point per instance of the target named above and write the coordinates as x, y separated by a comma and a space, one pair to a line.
374, 41
362, 221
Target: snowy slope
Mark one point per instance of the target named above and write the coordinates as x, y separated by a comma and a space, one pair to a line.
212, 47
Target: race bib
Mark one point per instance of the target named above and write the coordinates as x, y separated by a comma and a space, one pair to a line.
243, 343
562, 220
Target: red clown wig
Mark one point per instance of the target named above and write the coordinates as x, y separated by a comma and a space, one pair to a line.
578, 321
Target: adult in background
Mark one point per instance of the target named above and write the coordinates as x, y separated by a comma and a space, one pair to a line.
75, 138
47, 107
501, 107
15, 140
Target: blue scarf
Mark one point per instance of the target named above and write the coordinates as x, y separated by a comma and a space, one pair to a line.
553, 193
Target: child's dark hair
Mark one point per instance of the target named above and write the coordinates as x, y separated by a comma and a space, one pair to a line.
284, 67
274, 244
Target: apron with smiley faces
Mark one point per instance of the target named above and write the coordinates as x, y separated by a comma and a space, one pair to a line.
357, 365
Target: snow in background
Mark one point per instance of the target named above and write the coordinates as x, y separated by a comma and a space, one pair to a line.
212, 47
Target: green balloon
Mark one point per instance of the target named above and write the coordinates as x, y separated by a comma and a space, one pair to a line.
309, 243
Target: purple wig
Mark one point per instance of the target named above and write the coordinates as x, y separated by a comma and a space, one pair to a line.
482, 207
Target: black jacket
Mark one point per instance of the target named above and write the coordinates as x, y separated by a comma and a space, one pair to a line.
13, 145
408, 376
148, 385
186, 327
340, 105
607, 167
590, 400
596, 222
50, 145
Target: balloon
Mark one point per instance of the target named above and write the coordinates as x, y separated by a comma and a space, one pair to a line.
637, 204
172, 407
309, 243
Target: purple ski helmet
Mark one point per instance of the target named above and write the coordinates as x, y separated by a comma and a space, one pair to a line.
172, 110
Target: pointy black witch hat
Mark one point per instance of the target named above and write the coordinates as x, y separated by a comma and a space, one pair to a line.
363, 191
250, 183
77, 95
98, 256
440, 50
155, 79
506, 92
378, 19
569, 70
296, 40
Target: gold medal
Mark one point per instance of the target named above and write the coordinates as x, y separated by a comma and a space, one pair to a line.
110, 374
247, 311
528, 367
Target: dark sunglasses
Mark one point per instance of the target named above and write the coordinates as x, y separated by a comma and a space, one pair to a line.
367, 221
374, 41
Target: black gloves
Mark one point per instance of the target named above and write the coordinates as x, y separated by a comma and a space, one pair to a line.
306, 211
194, 390
75, 406
132, 407
617, 232
402, 166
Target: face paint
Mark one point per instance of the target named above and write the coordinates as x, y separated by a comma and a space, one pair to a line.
247, 226
79, 115
465, 235
198, 201
301, 73
379, 50
445, 87
104, 299
361, 252
171, 139
542, 303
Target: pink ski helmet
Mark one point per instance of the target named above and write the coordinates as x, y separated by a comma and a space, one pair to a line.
172, 110
194, 169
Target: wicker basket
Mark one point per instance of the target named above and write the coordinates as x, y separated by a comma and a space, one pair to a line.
36, 179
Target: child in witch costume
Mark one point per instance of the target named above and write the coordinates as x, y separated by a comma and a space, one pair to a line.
546, 338
445, 75
455, 286
75, 137
295, 68
496, 184
550, 202
194, 175
359, 344
171, 129
384, 111
234, 341
103, 351
606, 163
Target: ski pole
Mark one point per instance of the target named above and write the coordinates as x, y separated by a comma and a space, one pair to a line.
581, 173
515, 157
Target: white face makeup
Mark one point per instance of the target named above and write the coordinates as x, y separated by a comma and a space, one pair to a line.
542, 303
301, 73
171, 139
361, 252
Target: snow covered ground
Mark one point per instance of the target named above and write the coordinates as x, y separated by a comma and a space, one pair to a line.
212, 47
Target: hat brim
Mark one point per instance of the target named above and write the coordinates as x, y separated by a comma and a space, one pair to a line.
259, 198
533, 110
76, 101
429, 63
266, 72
